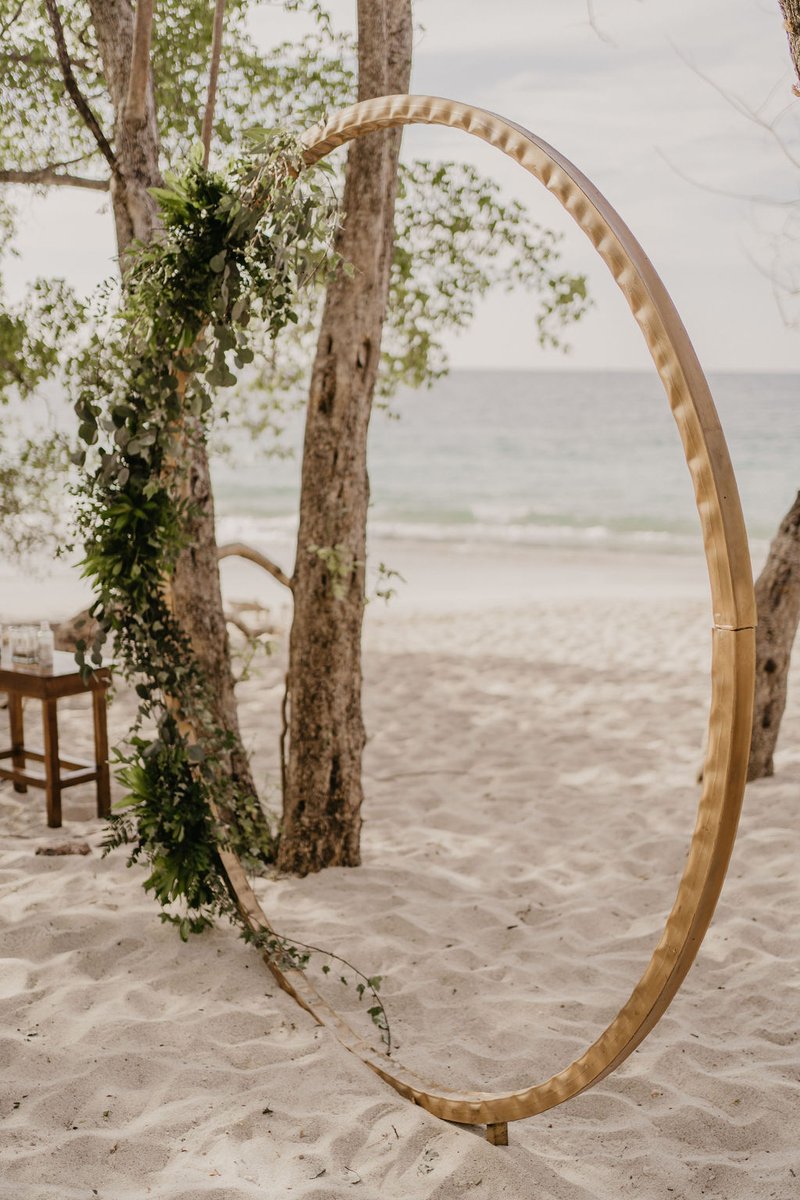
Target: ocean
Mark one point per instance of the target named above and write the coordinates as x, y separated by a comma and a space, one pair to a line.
559, 458
487, 466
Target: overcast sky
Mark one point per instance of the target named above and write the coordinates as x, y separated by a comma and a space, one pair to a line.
629, 110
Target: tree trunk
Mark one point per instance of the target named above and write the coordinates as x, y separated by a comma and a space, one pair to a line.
778, 585
778, 606
322, 801
791, 20
136, 144
197, 600
197, 594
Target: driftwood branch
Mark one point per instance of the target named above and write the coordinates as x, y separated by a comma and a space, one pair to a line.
139, 77
75, 93
50, 177
240, 550
216, 54
238, 623
259, 626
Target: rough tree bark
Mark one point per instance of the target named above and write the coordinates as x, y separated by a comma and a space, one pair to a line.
136, 142
791, 21
197, 595
778, 606
778, 585
323, 794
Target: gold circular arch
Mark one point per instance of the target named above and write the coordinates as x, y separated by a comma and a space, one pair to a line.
733, 630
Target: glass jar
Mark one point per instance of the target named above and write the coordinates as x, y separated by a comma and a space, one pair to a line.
22, 639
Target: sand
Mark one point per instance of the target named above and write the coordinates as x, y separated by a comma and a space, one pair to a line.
530, 794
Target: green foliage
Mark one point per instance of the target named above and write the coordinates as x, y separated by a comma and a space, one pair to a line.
168, 810
237, 246
341, 566
455, 240
294, 84
384, 588
32, 471
255, 643
294, 954
34, 336
38, 124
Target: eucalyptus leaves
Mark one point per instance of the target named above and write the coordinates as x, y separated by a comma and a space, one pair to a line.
235, 249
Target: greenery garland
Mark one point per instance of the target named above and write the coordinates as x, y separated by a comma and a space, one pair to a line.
236, 248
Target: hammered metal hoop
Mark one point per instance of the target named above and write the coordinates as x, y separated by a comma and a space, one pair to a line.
733, 607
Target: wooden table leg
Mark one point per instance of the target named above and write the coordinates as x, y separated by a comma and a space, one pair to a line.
17, 730
101, 752
51, 764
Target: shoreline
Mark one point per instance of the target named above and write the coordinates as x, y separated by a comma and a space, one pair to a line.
438, 577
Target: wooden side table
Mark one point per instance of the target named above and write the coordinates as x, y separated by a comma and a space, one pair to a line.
49, 684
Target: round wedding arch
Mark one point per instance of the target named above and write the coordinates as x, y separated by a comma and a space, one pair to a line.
733, 628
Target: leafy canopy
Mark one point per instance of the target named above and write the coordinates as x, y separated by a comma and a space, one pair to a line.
293, 85
456, 237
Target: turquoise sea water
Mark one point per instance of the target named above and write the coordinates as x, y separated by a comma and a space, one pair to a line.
559, 458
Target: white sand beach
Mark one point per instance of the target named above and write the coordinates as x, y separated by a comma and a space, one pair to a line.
535, 727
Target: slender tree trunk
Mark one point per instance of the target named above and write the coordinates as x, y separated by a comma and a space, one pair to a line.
197, 599
136, 143
778, 605
197, 595
322, 801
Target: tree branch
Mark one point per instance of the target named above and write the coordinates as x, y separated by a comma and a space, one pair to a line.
744, 109
240, 550
71, 84
216, 53
140, 64
38, 60
604, 37
50, 177
238, 623
4, 28
750, 197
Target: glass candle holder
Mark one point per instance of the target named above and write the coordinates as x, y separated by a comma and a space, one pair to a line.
22, 639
